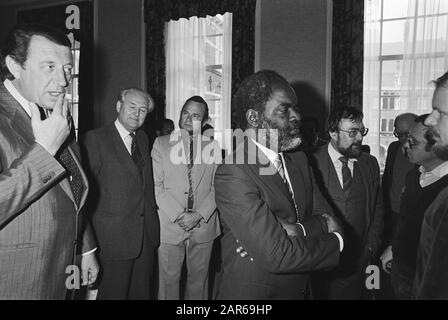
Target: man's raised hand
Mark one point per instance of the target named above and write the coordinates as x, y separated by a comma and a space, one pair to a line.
51, 132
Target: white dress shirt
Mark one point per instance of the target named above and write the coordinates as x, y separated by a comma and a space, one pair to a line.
334, 156
125, 136
272, 156
429, 177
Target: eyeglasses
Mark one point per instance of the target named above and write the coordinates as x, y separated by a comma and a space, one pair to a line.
412, 142
400, 134
354, 132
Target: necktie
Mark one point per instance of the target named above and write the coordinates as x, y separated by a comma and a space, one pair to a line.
135, 152
75, 178
278, 163
190, 182
346, 174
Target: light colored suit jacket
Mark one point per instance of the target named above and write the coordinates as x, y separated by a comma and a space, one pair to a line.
170, 156
39, 220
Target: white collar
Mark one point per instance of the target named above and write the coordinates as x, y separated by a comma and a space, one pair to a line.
439, 171
335, 154
122, 130
270, 154
18, 96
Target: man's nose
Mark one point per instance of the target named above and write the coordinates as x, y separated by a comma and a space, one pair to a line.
62, 79
430, 121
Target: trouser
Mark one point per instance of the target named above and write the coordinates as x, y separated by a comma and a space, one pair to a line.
171, 259
129, 279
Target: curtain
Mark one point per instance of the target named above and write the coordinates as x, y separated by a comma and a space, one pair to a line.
347, 54
186, 73
56, 16
425, 53
157, 13
371, 76
185, 63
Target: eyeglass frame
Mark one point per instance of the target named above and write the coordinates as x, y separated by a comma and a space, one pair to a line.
352, 133
411, 143
400, 134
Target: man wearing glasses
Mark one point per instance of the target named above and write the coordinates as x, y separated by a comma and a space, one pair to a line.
350, 180
397, 166
422, 185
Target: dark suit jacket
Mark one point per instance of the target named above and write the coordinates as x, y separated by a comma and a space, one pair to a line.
250, 205
431, 277
38, 216
122, 202
390, 217
321, 163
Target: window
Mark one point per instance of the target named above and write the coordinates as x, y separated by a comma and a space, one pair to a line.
199, 62
405, 47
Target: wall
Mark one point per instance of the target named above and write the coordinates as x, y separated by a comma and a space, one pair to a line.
292, 39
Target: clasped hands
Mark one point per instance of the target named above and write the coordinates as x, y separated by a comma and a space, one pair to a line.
188, 220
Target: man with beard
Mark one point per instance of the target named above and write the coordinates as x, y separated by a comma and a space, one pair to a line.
431, 279
350, 181
271, 239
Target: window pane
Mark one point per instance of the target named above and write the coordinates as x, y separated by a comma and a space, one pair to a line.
395, 8
393, 35
426, 7
391, 72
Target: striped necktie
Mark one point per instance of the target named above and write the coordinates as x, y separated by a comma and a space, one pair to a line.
278, 163
189, 170
346, 174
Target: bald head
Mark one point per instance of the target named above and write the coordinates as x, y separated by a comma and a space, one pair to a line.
402, 124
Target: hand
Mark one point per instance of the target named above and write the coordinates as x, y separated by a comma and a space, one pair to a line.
386, 259
51, 132
89, 269
333, 224
290, 228
189, 220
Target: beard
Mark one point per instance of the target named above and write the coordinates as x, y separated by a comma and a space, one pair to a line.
441, 152
288, 137
352, 151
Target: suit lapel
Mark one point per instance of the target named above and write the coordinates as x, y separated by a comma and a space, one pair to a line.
271, 178
363, 173
20, 120
296, 178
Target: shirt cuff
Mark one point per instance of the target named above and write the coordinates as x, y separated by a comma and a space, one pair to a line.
341, 241
303, 228
89, 252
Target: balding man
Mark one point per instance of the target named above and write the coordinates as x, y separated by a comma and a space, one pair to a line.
397, 166
122, 203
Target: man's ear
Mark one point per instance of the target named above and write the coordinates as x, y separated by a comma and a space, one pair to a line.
252, 118
118, 106
13, 66
333, 134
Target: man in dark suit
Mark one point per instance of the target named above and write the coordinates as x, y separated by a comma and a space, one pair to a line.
42, 185
431, 279
271, 237
350, 181
395, 170
122, 203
